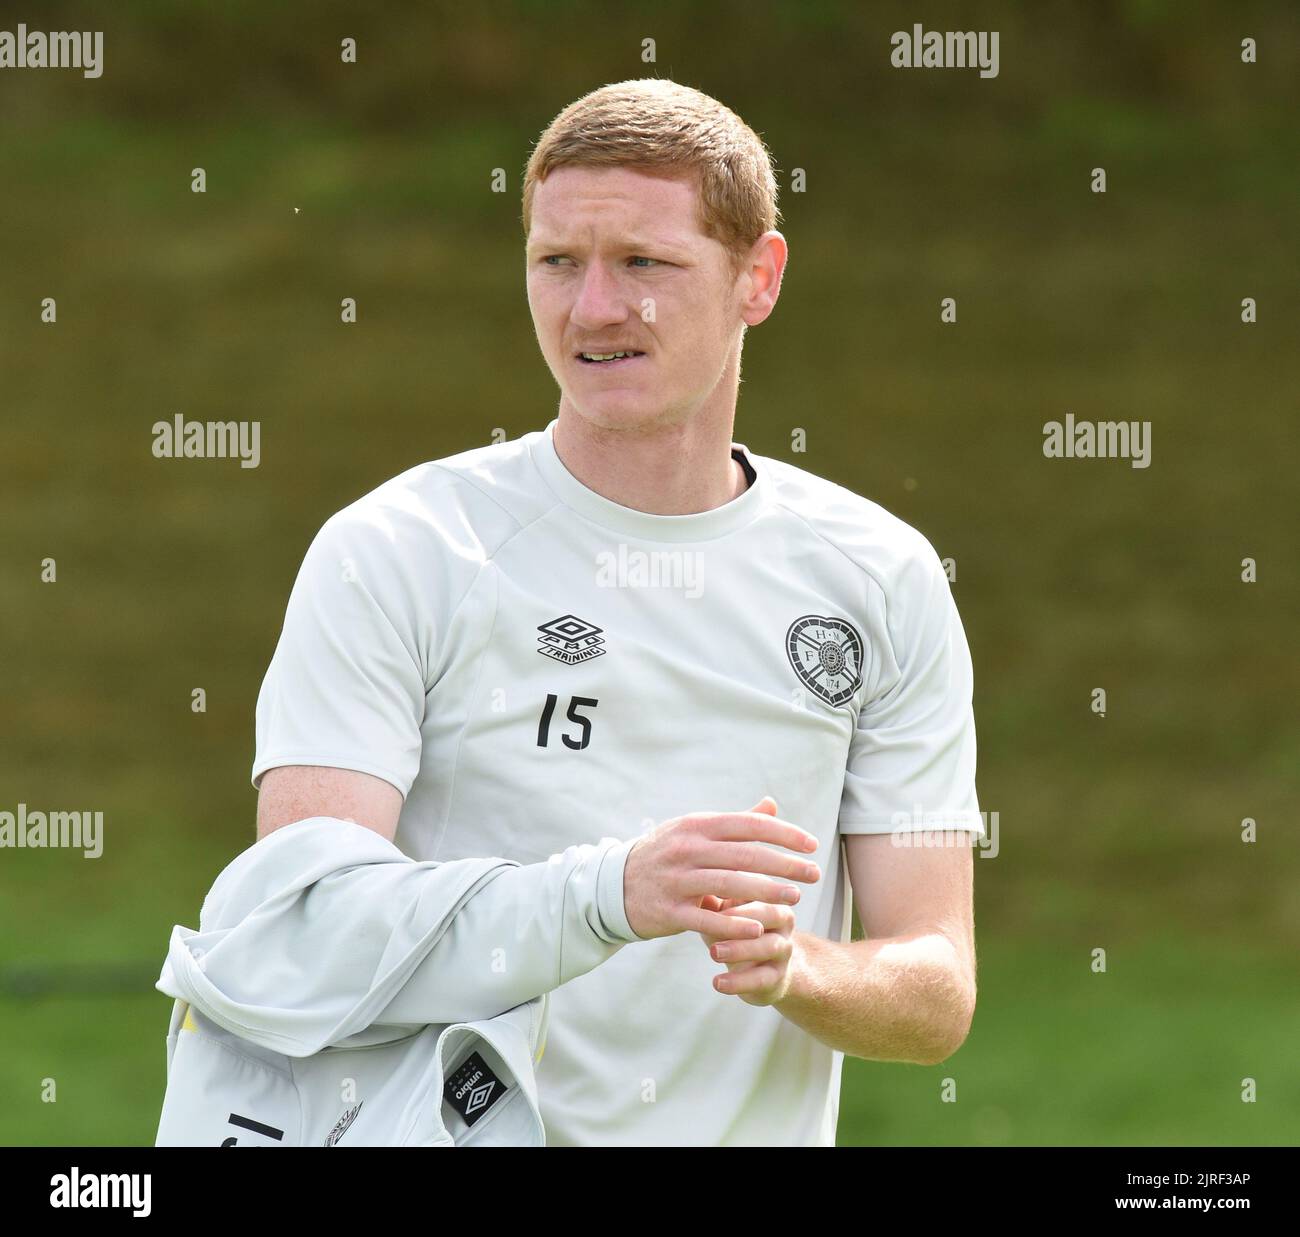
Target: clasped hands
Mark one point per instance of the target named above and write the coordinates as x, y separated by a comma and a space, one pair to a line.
709, 873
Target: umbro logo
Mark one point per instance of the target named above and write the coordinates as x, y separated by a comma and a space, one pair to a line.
473, 1088
479, 1097
570, 639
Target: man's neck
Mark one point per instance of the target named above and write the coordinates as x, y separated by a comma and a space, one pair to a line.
663, 470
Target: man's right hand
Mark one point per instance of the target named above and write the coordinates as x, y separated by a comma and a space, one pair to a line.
674, 868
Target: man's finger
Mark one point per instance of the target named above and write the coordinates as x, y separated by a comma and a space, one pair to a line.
745, 886
723, 927
770, 947
758, 858
759, 827
773, 917
760, 975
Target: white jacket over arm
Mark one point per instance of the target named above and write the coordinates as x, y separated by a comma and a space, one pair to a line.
335, 982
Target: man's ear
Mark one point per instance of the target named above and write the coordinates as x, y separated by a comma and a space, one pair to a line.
766, 270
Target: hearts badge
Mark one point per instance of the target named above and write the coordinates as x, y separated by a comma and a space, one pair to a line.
827, 655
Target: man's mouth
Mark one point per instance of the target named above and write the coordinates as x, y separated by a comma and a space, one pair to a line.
609, 358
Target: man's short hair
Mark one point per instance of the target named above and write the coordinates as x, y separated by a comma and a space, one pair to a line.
660, 127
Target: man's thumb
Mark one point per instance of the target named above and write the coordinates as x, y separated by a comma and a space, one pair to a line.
765, 804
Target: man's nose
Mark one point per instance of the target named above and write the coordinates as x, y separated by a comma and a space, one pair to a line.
600, 300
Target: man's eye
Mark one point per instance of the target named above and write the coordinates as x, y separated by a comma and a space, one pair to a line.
554, 259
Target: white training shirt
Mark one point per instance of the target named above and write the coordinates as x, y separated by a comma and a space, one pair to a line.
534, 666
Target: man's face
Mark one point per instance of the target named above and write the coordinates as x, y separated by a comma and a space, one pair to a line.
616, 261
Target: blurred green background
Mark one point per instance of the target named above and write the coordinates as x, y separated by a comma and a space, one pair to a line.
1121, 833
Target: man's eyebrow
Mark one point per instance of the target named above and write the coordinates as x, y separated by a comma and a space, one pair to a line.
622, 242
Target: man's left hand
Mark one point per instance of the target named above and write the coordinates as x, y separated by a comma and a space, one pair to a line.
759, 970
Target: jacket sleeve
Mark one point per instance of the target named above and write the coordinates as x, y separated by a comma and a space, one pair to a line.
525, 931
324, 932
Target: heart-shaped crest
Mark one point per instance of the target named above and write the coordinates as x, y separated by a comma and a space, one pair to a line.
827, 655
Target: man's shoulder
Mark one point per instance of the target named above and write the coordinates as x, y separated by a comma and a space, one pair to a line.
473, 500
884, 545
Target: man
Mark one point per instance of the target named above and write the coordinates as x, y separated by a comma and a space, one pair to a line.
626, 618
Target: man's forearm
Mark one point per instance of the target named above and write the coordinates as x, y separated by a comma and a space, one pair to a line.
907, 998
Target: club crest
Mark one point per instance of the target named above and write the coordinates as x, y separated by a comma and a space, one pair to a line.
827, 655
